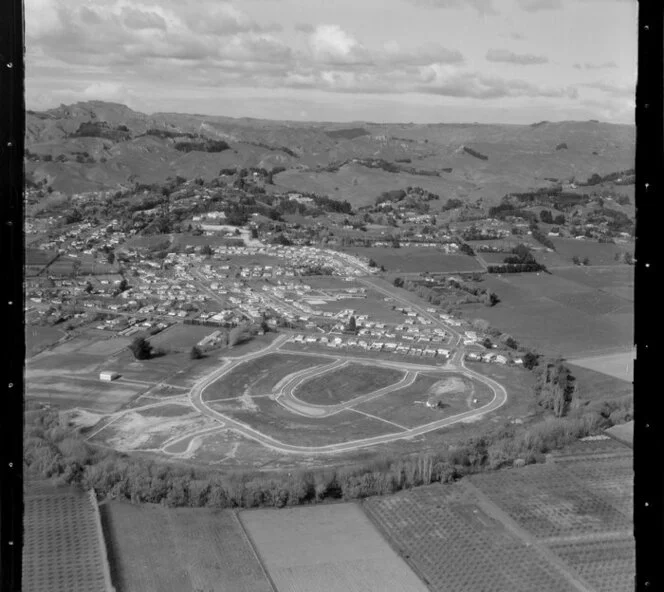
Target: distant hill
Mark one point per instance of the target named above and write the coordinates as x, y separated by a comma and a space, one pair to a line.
100, 145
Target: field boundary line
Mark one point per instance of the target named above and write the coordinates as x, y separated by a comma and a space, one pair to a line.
405, 429
254, 550
495, 511
393, 543
595, 537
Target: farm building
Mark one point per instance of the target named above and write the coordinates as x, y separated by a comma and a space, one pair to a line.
108, 375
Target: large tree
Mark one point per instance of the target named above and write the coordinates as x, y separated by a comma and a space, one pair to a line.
141, 348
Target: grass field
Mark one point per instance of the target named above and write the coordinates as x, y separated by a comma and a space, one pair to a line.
181, 337
617, 280
272, 419
259, 376
37, 338
416, 259
330, 548
617, 365
455, 544
557, 315
346, 383
597, 253
156, 549
77, 391
407, 406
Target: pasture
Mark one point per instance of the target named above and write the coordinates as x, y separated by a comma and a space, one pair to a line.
181, 337
598, 253
619, 365
156, 549
259, 376
37, 338
346, 383
617, 280
417, 259
407, 406
329, 548
272, 419
557, 315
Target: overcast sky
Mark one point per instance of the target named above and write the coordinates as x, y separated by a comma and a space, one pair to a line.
502, 61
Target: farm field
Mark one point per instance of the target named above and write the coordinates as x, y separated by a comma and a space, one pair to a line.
156, 549
272, 419
38, 337
260, 375
346, 383
80, 391
617, 280
407, 406
181, 337
331, 548
454, 543
416, 259
617, 365
598, 253
541, 527
556, 315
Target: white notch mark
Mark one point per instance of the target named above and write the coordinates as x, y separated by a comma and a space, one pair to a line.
10, 65
647, 264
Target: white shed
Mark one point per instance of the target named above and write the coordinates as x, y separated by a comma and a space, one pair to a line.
108, 375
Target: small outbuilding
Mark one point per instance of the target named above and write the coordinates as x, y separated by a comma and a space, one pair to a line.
108, 375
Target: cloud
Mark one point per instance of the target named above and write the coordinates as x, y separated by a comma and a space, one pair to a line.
623, 91
425, 54
508, 57
600, 66
483, 7
138, 19
304, 28
330, 44
537, 5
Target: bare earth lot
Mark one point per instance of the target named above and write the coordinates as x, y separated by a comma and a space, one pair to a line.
331, 548
156, 549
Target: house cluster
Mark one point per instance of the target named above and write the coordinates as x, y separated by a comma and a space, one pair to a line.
85, 238
493, 358
359, 343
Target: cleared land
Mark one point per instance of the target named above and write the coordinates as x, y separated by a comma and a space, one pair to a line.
272, 419
156, 549
407, 406
416, 259
260, 375
181, 337
37, 338
332, 548
598, 253
617, 365
346, 383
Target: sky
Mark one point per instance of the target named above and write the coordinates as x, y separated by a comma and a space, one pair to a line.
420, 61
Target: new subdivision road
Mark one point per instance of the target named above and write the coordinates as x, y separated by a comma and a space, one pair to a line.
197, 400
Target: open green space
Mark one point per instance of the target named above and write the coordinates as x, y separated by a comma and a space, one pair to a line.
346, 383
272, 419
156, 549
37, 338
407, 406
416, 259
620, 365
330, 548
259, 376
557, 315
617, 280
598, 253
181, 337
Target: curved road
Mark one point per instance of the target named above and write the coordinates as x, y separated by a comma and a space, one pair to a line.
196, 398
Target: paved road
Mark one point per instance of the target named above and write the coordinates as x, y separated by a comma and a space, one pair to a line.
196, 398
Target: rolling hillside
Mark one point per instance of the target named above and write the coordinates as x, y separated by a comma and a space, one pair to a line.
98, 145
